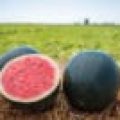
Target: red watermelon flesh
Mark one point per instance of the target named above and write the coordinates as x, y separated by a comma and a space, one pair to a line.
29, 78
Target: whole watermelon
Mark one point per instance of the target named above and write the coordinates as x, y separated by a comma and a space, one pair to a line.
16, 52
90, 80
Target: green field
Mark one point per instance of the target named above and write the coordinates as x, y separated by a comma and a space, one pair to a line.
61, 41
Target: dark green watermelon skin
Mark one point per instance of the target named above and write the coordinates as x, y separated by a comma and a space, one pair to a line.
15, 53
90, 81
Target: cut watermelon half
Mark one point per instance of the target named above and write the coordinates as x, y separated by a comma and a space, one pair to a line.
29, 78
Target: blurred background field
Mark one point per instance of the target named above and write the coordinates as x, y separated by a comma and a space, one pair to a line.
61, 41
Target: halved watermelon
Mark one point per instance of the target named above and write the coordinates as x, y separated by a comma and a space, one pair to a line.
29, 79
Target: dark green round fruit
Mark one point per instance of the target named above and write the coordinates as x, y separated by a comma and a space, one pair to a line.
90, 81
15, 53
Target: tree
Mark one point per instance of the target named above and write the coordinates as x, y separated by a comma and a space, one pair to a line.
86, 21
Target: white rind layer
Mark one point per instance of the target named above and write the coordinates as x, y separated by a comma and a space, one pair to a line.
39, 97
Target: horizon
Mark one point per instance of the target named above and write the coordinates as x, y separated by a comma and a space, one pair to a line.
59, 12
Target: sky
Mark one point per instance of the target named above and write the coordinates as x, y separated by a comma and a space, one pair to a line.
59, 11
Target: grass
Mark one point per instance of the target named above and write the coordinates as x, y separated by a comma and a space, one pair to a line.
60, 42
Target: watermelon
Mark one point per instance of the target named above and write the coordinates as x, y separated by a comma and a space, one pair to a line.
90, 81
29, 80
118, 63
22, 50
